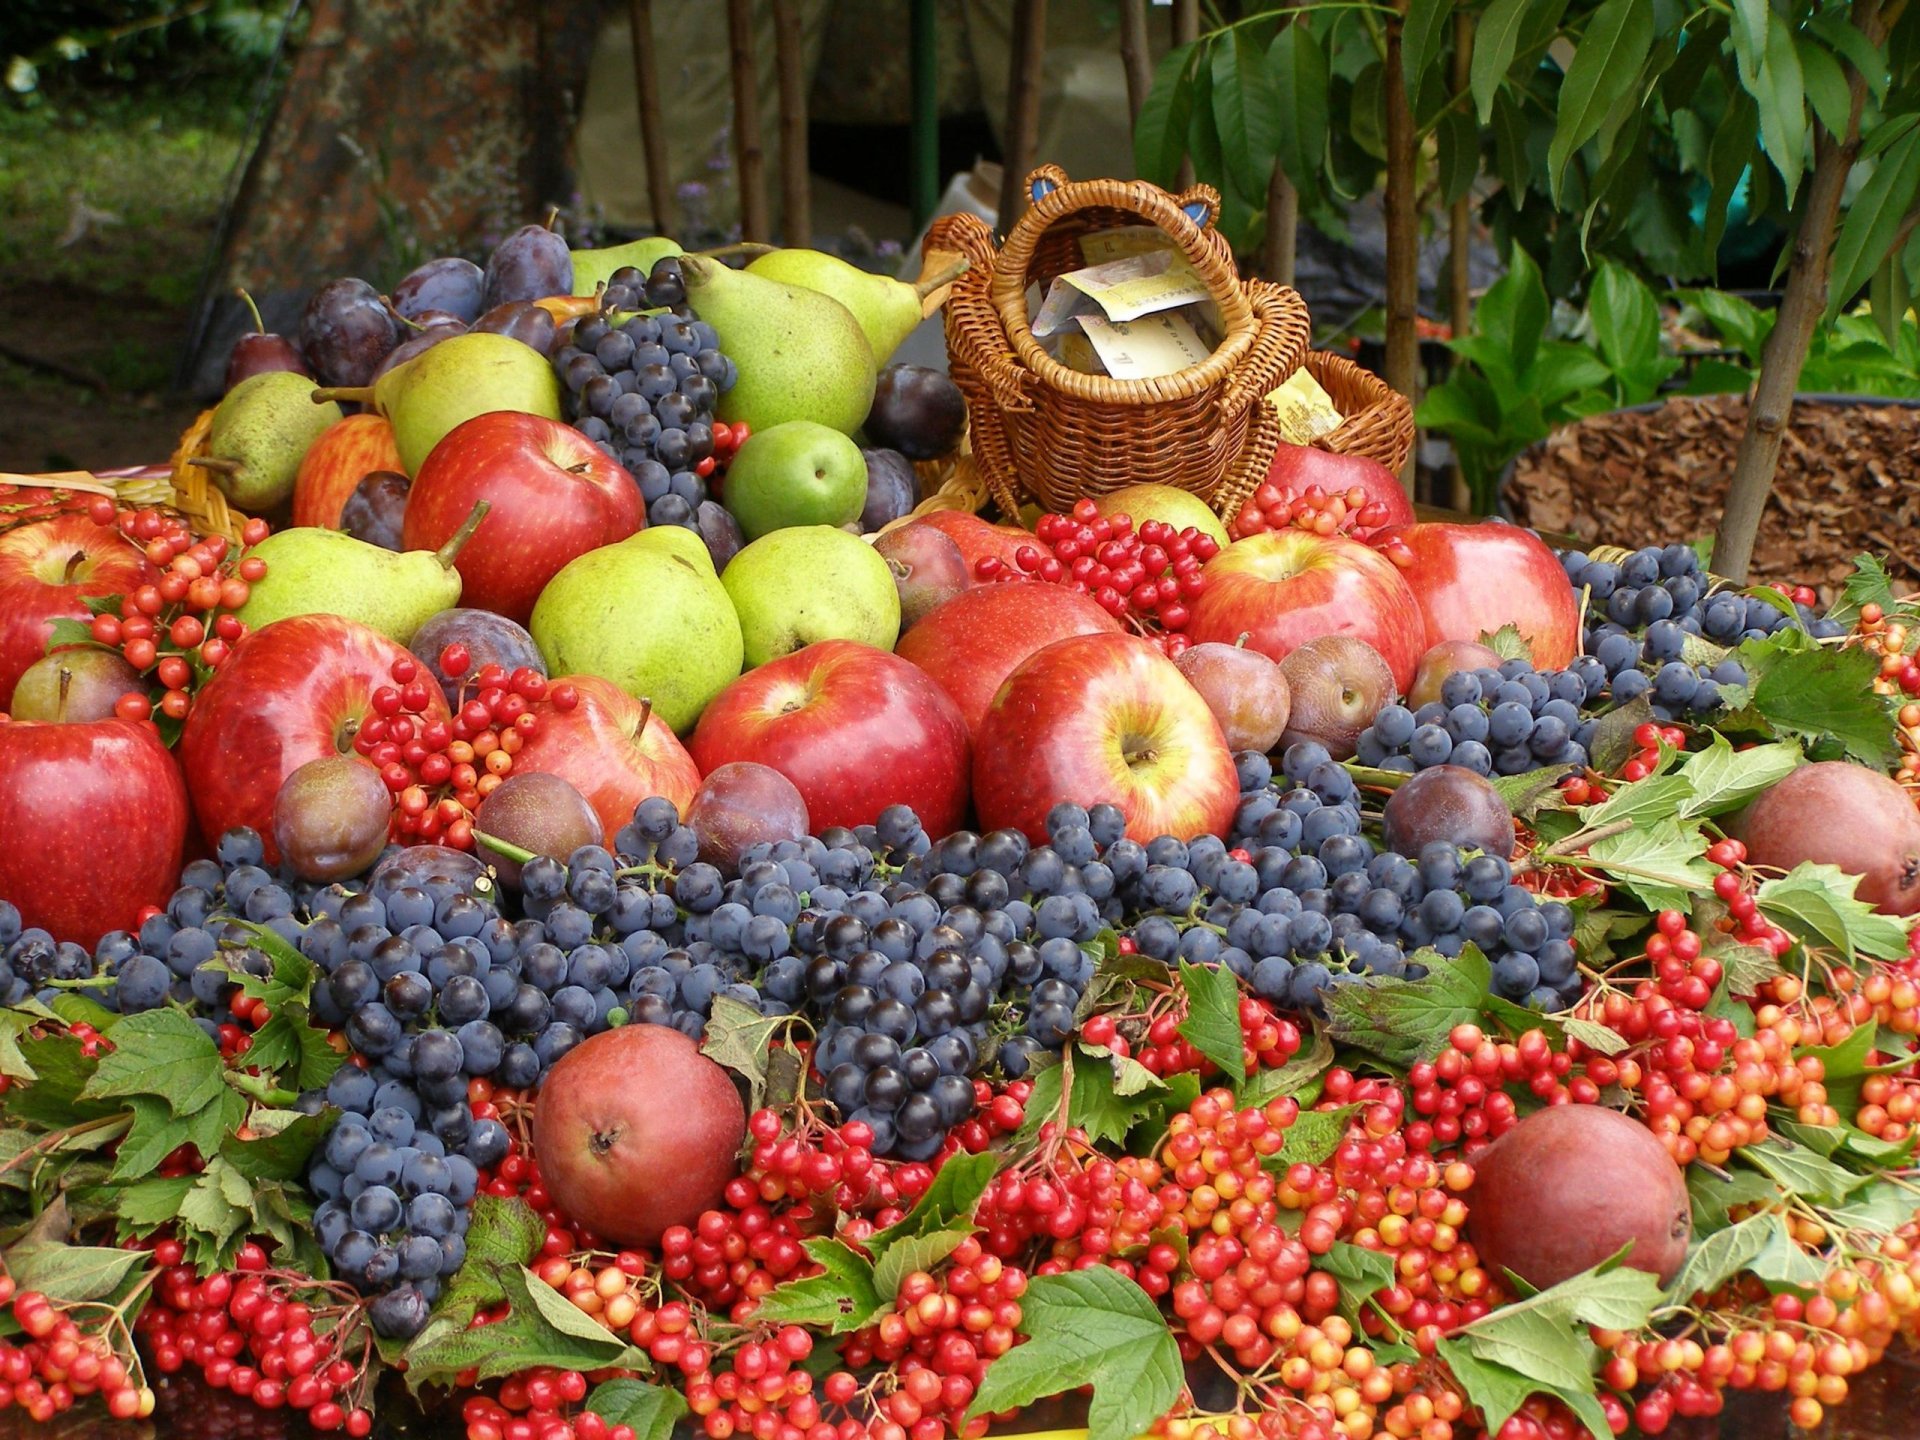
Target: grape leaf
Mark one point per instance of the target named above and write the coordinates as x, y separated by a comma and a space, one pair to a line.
950, 1200
541, 1327
741, 1038
841, 1300
1802, 1171
1292, 1078
911, 1253
650, 1411
1714, 1195
1711, 1262
157, 1133
1311, 1138
1820, 692
69, 1273
503, 1234
1089, 1327
1212, 1025
1602, 1039
285, 1138
1661, 864
1402, 1021
1361, 1273
1722, 778
1816, 903
163, 1053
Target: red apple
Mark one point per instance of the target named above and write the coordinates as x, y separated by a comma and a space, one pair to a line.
854, 728
1097, 718
290, 692
96, 821
977, 539
974, 641
346, 452
613, 749
1472, 580
47, 571
555, 495
1287, 587
636, 1132
1297, 468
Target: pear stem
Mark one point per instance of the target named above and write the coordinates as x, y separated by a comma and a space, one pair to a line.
945, 275
210, 462
355, 394
259, 325
739, 247
448, 552
504, 848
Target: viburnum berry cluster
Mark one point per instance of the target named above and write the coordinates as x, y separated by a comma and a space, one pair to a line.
1318, 511
60, 1355
1464, 1095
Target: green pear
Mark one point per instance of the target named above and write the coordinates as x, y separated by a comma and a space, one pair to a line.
453, 381
313, 571
801, 354
798, 473
260, 434
676, 540
653, 620
592, 268
808, 583
887, 309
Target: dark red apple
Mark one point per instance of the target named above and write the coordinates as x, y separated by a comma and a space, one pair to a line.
613, 749
636, 1131
854, 728
290, 692
742, 804
47, 571
1287, 587
1297, 468
1472, 580
555, 495
346, 453
974, 641
96, 819
1097, 718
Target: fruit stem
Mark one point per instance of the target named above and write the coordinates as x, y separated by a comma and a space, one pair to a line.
505, 848
212, 462
259, 325
754, 248
945, 275
66, 681
355, 394
646, 714
450, 551
553, 215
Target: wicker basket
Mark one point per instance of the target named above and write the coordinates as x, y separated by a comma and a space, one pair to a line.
1043, 430
1379, 419
185, 489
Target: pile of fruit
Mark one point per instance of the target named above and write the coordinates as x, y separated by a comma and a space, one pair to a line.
611, 918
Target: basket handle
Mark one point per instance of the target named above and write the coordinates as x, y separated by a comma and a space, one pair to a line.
1250, 381
1182, 218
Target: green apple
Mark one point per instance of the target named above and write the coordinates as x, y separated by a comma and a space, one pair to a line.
808, 583
654, 621
796, 473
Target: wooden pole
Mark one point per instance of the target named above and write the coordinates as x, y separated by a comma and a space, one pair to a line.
653, 132
1024, 75
1186, 29
1460, 227
1135, 54
1403, 229
923, 45
796, 190
1277, 251
750, 171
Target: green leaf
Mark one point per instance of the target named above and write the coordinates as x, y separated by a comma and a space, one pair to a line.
1714, 1195
1495, 1390
157, 1133
650, 1411
1532, 791
1661, 864
1643, 802
1782, 1262
1312, 1137
1860, 53
1819, 692
951, 1199
1402, 1021
1723, 779
1423, 40
1871, 583
1095, 1103
1846, 1066
1742, 324
1625, 317
1494, 40
1880, 1208
1291, 1078
1089, 1327
1801, 1171
841, 1300
1751, 21
1212, 1025
1513, 313
1606, 66
1544, 1336
148, 1204
1203, 135
1816, 903
1711, 1262
503, 1235
160, 1052
1508, 643
1602, 1039
1297, 68
542, 1327
741, 1038
1160, 131
1873, 221
1361, 1273
1458, 154
1780, 91
1246, 110
67, 1274
915, 1252
1826, 86
285, 1139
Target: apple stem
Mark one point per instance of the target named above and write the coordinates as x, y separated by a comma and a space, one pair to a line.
66, 680
211, 462
1240, 640
74, 562
505, 848
646, 715
945, 275
448, 552
259, 326
356, 394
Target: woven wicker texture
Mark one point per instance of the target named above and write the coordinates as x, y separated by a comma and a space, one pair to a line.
1379, 420
1045, 431
194, 493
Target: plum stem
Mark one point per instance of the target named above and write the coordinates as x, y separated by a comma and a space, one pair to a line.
259, 326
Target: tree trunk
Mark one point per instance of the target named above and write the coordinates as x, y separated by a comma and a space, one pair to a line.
1186, 30
1283, 229
1801, 305
796, 189
1135, 54
1026, 69
1460, 228
750, 171
1403, 229
653, 130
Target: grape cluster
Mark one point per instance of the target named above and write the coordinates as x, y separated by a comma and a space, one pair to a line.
642, 385
1504, 721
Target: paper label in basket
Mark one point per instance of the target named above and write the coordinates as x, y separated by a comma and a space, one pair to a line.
1306, 410
1099, 246
1123, 289
1145, 348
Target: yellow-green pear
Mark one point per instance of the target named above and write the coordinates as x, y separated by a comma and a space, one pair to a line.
648, 615
887, 309
453, 381
592, 268
801, 354
808, 583
260, 433
675, 540
314, 571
